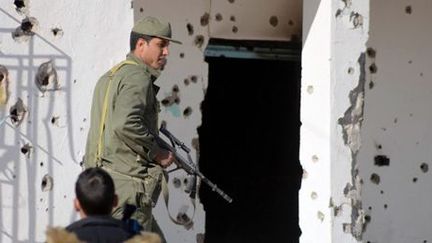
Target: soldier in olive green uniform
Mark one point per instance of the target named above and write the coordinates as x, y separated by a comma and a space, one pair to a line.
124, 114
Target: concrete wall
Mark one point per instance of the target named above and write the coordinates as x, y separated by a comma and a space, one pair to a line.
40, 157
396, 137
333, 80
315, 215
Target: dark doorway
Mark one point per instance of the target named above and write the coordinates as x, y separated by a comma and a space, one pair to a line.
249, 141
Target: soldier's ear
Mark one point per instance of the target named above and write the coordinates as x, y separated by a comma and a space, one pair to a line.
77, 205
115, 202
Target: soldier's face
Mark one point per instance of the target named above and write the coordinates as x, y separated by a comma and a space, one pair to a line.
154, 53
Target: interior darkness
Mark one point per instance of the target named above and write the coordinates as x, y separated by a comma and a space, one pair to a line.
249, 147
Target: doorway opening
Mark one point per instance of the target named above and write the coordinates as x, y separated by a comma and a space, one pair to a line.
249, 141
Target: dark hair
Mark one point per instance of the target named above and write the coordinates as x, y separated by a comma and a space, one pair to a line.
95, 191
134, 37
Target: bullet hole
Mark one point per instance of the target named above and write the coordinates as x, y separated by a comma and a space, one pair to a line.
424, 167
231, 1
218, 17
186, 81
186, 221
181, 55
21, 6
382, 160
385, 206
395, 120
4, 85
84, 119
190, 28
26, 149
371, 85
74, 81
370, 208
205, 19
290, 22
421, 74
371, 52
408, 9
373, 68
167, 101
141, 10
57, 32
194, 79
310, 89
176, 182
314, 195
315, 158
195, 144
381, 192
185, 181
411, 114
199, 40
414, 179
187, 112
17, 112
357, 19
338, 13
367, 218
41, 164
47, 183
19, 3
410, 62
81, 164
375, 178
46, 77
320, 216
26, 30
379, 146
234, 29
175, 89
55, 120
233, 18
274, 21
350, 70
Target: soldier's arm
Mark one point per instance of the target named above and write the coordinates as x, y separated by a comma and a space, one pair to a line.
127, 121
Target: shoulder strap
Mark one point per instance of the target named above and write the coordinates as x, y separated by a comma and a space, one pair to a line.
113, 71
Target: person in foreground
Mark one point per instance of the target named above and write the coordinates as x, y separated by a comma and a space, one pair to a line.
124, 119
95, 200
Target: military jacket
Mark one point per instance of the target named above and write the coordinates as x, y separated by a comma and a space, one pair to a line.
132, 115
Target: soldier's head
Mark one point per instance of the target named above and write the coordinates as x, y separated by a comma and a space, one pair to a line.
149, 41
95, 193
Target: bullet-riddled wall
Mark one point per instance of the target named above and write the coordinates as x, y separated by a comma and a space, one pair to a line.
396, 137
51, 54
194, 22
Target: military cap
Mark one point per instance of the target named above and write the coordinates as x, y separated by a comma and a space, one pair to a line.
152, 26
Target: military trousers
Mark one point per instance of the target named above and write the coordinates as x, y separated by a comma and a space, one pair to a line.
140, 194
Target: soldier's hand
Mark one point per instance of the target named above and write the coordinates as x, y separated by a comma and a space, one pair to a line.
165, 158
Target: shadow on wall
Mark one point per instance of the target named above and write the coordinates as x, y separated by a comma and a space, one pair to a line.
33, 79
310, 11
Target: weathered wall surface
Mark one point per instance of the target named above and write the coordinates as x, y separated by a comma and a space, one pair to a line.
395, 155
332, 105
315, 215
51, 54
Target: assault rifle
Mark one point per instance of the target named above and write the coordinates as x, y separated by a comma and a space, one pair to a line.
186, 164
